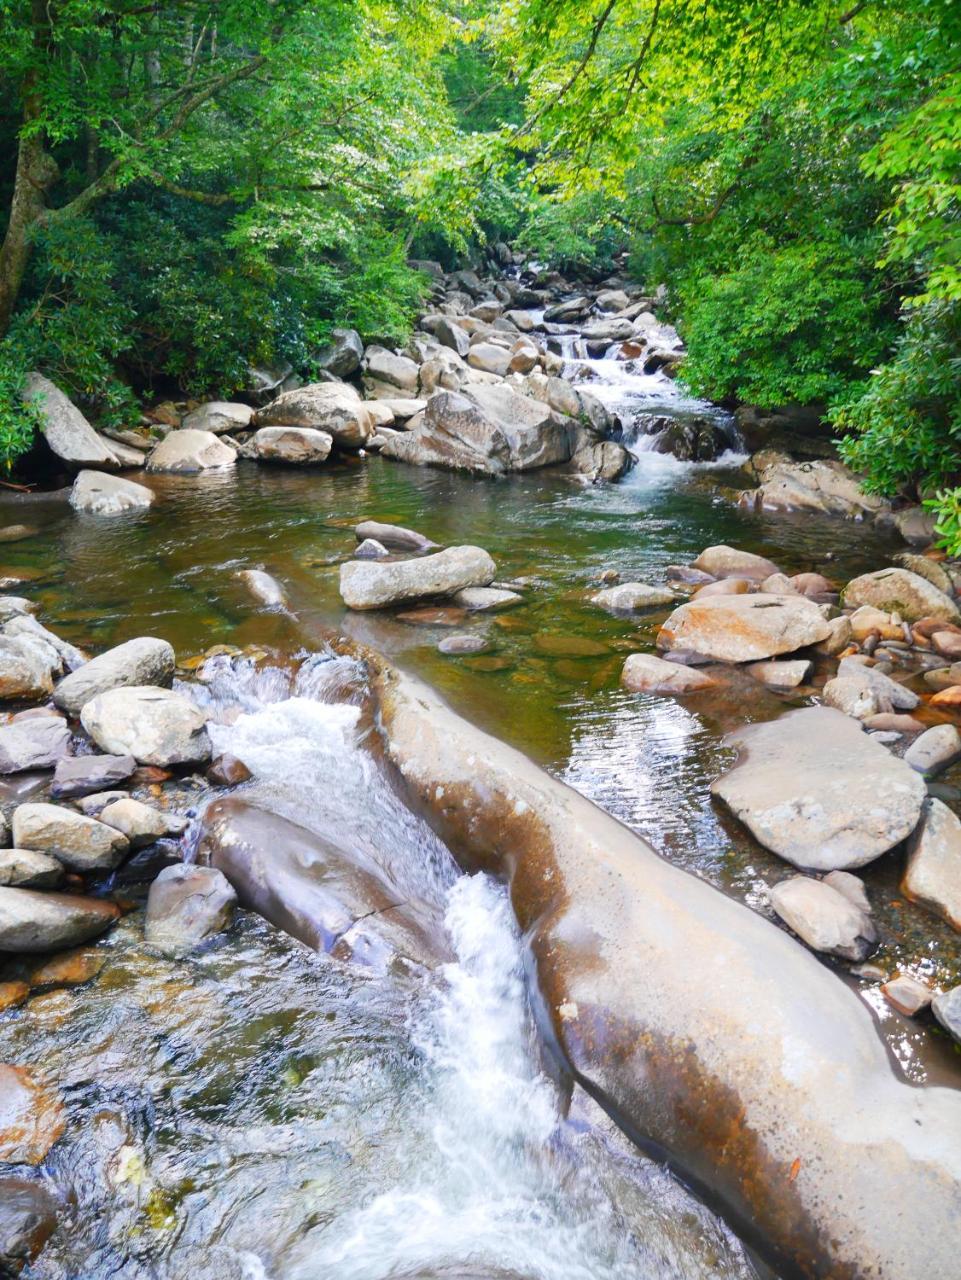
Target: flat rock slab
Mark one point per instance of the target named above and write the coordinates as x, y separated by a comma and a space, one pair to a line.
100, 494
487, 599
645, 673
31, 921
933, 872
371, 584
746, 628
85, 775
903, 592
813, 788
145, 660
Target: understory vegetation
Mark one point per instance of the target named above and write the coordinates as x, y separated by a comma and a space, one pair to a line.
190, 189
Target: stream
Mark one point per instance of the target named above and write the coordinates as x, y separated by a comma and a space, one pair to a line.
260, 1112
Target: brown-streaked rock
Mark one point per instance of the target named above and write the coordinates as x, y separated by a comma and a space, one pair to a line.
743, 628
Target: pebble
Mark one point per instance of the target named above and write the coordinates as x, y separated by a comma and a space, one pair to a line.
934, 749
907, 994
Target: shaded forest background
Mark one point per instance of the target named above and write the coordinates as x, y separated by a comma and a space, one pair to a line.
186, 189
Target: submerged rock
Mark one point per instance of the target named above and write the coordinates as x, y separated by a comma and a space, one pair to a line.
825, 919
191, 451
633, 597
28, 1217
933, 872
187, 905
815, 789
370, 584
265, 589
32, 1117
645, 673
31, 921
743, 628
486, 599
100, 494
903, 592
153, 725
144, 661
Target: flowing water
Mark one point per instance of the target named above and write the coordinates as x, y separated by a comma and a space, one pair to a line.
259, 1112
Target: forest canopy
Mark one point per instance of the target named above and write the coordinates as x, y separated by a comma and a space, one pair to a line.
188, 189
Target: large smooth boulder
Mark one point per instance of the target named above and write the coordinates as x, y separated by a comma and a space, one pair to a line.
35, 742
219, 416
79, 842
300, 446
187, 452
947, 1009
600, 460
816, 790
65, 429
903, 592
187, 904
32, 921
645, 673
146, 660
376, 584
153, 725
488, 429
100, 494
705, 1031
933, 872
393, 535
311, 888
823, 486
334, 407
825, 919
342, 355
491, 359
743, 628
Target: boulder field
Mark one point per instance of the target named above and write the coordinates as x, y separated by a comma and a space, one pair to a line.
710, 1036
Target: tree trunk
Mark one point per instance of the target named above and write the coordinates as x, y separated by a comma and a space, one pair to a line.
36, 173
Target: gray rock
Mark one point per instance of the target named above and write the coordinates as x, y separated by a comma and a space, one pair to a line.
817, 485
72, 838
781, 675
451, 335
813, 788
486, 599
333, 407
28, 869
27, 670
852, 887
743, 628
144, 661
153, 725
393, 535
613, 330
369, 584
925, 567
141, 824
838, 637
947, 1009
855, 698
65, 429
187, 905
218, 416
93, 805
600, 460
32, 921
823, 918
381, 365
462, 644
371, 549
77, 776
342, 355
645, 673
633, 597
932, 875
28, 1217
722, 561
934, 749
891, 695
186, 452
265, 589
300, 446
100, 494
490, 359
36, 742
907, 994
901, 591
23, 625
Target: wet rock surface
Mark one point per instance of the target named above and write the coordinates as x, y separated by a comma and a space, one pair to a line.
375, 584
186, 906
154, 725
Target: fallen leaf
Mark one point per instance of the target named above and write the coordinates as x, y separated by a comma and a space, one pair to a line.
795, 1169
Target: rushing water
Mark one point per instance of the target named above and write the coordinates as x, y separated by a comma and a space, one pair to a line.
257, 1112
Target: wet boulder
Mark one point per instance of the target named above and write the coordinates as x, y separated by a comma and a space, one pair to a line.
35, 742
374, 584
140, 823
153, 725
218, 417
489, 430
903, 592
187, 452
825, 919
65, 429
146, 660
296, 446
28, 1218
32, 921
32, 1116
599, 460
633, 597
187, 904
743, 628
394, 536
932, 875
819, 792
645, 673
332, 407
79, 842
99, 494
311, 888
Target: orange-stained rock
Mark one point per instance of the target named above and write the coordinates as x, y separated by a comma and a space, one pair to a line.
70, 969
724, 587
12, 994
948, 698
32, 1117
